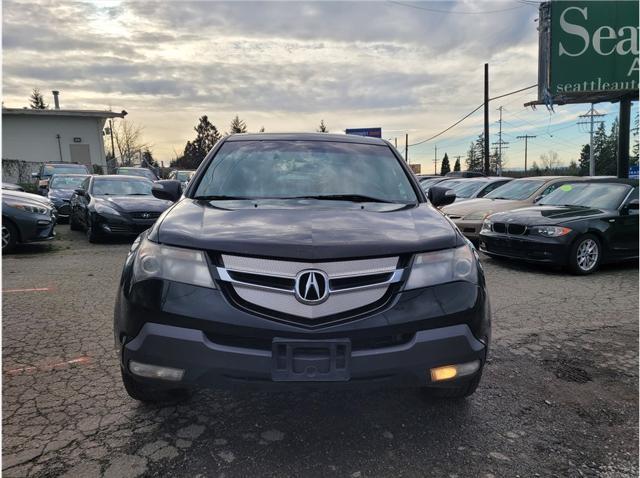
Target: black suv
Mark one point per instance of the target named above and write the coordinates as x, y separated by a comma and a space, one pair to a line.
302, 260
49, 169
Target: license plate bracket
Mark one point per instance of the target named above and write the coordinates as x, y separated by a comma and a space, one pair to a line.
295, 360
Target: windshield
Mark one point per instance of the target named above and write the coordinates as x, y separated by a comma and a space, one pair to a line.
516, 190
121, 187
464, 188
184, 175
595, 195
312, 169
67, 168
145, 173
427, 183
66, 182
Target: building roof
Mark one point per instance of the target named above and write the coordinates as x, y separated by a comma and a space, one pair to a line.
72, 113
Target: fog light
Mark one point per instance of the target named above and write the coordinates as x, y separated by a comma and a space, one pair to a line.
155, 371
449, 372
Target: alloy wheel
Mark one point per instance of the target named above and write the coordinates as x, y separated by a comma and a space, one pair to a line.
587, 254
6, 236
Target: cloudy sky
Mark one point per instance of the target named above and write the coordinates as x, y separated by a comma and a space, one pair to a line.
408, 67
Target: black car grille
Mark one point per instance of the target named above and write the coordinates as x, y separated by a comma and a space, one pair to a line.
508, 228
145, 215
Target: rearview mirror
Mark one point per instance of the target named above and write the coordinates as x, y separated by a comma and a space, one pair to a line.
168, 189
440, 196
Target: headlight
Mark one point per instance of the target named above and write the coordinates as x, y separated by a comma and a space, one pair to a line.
551, 231
30, 208
487, 226
106, 209
477, 215
156, 261
439, 267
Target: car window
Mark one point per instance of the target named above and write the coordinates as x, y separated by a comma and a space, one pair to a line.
594, 195
516, 190
490, 187
288, 169
632, 196
85, 184
550, 188
121, 187
464, 188
62, 169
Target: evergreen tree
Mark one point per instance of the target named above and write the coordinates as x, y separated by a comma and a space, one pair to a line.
238, 126
535, 170
475, 155
195, 151
323, 127
604, 159
36, 100
147, 159
261, 130
494, 162
583, 161
456, 166
445, 167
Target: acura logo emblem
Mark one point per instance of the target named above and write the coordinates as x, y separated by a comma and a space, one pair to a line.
312, 286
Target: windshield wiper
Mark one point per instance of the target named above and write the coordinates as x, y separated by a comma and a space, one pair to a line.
138, 194
342, 197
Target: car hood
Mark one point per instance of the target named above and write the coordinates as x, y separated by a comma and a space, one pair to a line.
482, 205
306, 229
28, 197
60, 193
134, 203
547, 215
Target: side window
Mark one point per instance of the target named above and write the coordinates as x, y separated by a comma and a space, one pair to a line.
632, 196
491, 187
550, 188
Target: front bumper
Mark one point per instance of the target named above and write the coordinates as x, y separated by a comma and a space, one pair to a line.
197, 329
552, 250
208, 364
112, 225
470, 228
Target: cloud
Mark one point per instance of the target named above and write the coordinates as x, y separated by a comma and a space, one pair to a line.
282, 65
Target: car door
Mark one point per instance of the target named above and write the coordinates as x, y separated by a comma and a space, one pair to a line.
624, 233
82, 202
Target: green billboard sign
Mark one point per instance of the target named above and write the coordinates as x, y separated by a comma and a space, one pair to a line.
588, 47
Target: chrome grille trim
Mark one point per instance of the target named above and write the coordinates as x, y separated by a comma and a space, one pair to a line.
279, 297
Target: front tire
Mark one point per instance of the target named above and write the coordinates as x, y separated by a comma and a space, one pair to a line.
585, 255
148, 394
9, 236
92, 234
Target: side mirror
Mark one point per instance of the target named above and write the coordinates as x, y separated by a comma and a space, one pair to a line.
80, 191
537, 198
633, 205
440, 196
168, 189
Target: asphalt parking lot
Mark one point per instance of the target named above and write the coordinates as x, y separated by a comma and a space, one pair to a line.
559, 396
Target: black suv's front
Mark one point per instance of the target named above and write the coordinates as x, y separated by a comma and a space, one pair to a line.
303, 259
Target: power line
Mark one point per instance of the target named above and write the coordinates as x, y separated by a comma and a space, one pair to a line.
469, 114
455, 12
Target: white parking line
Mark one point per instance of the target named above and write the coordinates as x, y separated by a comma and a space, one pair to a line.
37, 289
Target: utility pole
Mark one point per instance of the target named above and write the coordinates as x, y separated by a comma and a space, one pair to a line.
406, 147
486, 119
113, 149
525, 137
591, 114
435, 161
395, 140
623, 137
501, 144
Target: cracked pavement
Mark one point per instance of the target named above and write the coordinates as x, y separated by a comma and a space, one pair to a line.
559, 396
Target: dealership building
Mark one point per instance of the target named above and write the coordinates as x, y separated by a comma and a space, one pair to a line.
31, 137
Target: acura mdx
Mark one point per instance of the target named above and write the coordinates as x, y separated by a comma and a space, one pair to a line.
302, 260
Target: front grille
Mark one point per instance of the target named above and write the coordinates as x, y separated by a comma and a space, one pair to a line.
268, 287
508, 228
145, 215
119, 228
